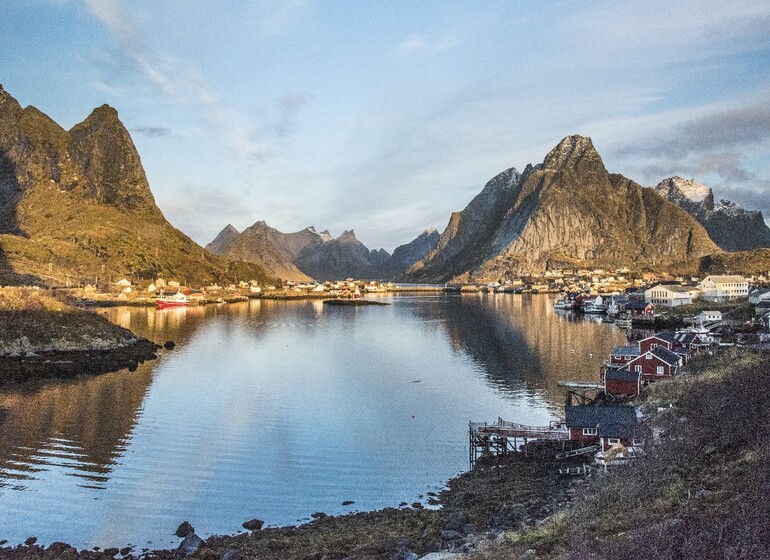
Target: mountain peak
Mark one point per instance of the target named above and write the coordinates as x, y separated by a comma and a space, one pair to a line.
573, 152
677, 187
347, 236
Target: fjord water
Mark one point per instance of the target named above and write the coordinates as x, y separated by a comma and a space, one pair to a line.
277, 410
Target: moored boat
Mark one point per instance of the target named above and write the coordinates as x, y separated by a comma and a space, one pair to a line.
175, 300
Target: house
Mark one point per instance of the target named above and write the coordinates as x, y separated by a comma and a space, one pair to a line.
621, 355
708, 316
663, 339
658, 363
723, 288
605, 425
640, 307
621, 382
759, 295
670, 295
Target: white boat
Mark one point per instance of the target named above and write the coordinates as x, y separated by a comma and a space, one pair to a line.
563, 303
175, 300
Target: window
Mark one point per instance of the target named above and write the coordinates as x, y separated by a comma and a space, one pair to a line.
659, 370
638, 369
590, 431
648, 356
613, 440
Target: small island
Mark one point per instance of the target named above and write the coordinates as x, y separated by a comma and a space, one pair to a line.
42, 336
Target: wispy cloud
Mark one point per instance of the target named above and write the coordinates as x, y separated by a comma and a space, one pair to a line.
180, 82
425, 44
152, 131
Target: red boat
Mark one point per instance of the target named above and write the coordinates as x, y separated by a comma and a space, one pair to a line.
176, 300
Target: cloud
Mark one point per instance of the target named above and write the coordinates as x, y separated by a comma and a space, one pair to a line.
153, 131
425, 44
181, 83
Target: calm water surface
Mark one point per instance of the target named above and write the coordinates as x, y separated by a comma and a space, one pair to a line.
277, 410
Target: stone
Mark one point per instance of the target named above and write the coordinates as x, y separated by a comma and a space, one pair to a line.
456, 522
169, 345
229, 555
253, 525
417, 505
190, 544
30, 541
126, 551
348, 503
318, 515
61, 550
451, 535
111, 551
184, 529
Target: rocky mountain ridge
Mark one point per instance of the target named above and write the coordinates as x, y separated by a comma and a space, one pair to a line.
567, 211
308, 254
76, 206
731, 227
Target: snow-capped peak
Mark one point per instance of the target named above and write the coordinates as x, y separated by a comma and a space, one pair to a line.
687, 188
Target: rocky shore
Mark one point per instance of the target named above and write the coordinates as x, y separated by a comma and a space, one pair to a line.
43, 337
477, 508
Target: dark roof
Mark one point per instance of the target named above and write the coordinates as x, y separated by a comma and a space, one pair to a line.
625, 351
666, 336
621, 375
671, 358
636, 304
611, 421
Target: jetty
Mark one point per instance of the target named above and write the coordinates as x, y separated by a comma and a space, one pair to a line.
502, 438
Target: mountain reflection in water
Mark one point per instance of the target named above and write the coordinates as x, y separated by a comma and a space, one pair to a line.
277, 409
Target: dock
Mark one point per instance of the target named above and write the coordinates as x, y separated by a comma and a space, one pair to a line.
501, 438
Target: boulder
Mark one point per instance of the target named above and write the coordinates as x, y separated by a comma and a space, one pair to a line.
190, 545
184, 529
253, 525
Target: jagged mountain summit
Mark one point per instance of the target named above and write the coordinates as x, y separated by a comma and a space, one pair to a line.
309, 254
268, 247
77, 205
567, 211
730, 226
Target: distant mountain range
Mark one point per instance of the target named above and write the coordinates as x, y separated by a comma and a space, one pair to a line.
307, 254
76, 206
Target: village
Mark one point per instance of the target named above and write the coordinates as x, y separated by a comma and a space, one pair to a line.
601, 427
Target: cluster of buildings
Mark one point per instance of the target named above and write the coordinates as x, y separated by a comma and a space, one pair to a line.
716, 289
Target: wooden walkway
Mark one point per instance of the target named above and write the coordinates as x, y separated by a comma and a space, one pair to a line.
502, 438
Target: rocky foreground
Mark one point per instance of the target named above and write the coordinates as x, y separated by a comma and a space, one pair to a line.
41, 336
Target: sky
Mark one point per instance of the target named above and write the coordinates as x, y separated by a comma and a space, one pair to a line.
385, 117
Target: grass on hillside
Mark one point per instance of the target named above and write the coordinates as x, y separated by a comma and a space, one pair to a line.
702, 492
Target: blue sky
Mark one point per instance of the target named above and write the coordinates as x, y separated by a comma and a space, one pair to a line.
387, 116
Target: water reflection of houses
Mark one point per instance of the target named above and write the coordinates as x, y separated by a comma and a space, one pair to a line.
520, 342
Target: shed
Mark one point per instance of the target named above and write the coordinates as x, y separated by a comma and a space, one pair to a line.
606, 424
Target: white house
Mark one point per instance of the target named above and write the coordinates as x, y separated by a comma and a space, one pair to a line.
708, 316
723, 288
670, 295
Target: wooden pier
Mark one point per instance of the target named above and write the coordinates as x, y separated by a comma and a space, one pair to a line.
501, 438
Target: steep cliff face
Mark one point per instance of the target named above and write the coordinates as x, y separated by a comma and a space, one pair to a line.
77, 205
268, 247
404, 256
566, 211
730, 226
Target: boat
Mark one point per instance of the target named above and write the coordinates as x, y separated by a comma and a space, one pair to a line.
563, 303
176, 300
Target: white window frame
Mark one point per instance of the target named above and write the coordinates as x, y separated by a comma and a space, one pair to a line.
590, 431
613, 441
660, 370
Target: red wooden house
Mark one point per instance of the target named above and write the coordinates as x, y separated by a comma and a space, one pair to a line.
621, 355
655, 364
622, 382
605, 425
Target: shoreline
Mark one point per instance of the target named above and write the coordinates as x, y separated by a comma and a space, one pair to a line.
477, 507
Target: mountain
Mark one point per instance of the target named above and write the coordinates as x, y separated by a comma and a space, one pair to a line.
76, 205
343, 257
268, 247
308, 254
730, 226
567, 211
405, 256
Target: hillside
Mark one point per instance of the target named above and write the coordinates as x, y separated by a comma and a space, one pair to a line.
568, 210
76, 206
